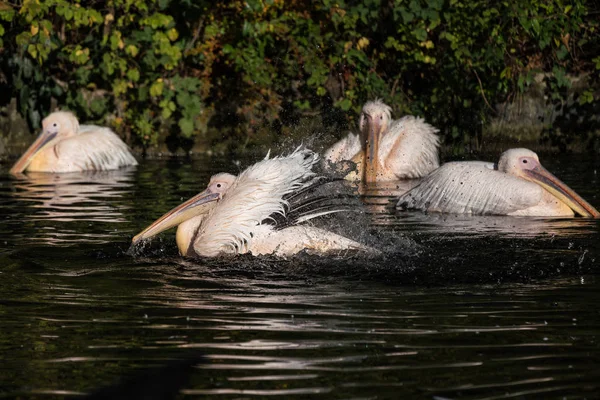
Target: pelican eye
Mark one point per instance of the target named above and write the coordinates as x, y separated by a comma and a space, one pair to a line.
54, 124
524, 161
218, 185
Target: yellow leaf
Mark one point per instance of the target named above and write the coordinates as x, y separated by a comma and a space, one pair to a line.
34, 30
108, 18
362, 42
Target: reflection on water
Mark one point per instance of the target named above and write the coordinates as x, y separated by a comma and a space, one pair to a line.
67, 201
274, 336
458, 307
471, 226
74, 196
378, 197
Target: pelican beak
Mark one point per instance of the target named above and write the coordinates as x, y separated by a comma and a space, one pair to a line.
372, 150
561, 191
199, 204
42, 141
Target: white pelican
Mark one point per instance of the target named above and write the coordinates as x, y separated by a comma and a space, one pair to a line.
517, 185
402, 149
236, 215
64, 146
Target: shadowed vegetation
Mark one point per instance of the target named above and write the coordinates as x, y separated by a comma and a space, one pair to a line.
244, 72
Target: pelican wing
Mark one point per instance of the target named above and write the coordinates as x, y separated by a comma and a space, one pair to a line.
257, 193
471, 188
344, 149
410, 148
295, 239
298, 211
321, 196
95, 148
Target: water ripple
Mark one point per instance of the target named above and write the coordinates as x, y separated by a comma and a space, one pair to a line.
459, 307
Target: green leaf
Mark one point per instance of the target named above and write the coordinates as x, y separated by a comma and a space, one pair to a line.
562, 52
157, 88
187, 126
420, 34
535, 24
32, 50
586, 97
133, 74
166, 113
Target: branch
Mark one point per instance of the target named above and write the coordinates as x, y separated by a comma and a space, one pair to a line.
192, 42
393, 92
483, 93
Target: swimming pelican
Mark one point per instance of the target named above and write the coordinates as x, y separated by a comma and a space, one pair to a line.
402, 149
517, 185
236, 215
64, 146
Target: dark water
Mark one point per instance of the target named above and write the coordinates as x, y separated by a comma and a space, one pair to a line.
457, 307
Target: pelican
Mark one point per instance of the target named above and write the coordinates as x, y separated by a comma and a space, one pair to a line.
402, 149
517, 185
64, 146
236, 214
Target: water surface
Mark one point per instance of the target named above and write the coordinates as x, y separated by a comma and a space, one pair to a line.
457, 307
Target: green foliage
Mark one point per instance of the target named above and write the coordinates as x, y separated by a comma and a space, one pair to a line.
120, 58
151, 66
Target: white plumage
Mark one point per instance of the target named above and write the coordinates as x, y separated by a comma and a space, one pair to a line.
471, 188
407, 148
518, 185
65, 146
241, 221
255, 194
344, 149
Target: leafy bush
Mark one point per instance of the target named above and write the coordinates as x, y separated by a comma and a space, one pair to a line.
159, 67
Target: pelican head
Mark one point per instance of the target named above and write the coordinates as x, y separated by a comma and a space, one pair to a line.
373, 123
197, 206
55, 127
525, 164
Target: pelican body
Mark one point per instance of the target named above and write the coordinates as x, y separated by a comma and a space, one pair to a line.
65, 146
518, 185
235, 214
387, 150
